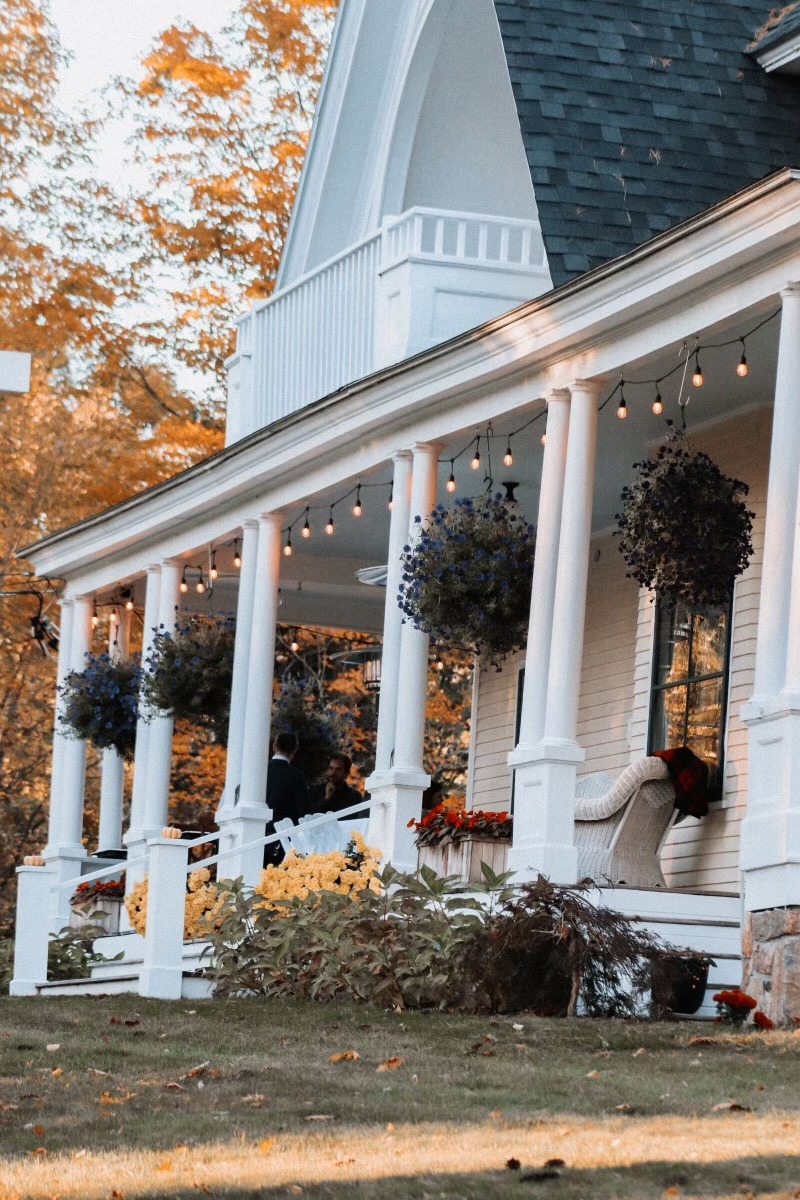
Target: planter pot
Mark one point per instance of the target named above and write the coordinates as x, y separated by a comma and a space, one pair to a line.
681, 985
102, 913
464, 858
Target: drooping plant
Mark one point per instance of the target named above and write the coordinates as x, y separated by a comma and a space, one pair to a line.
100, 703
189, 672
467, 576
684, 528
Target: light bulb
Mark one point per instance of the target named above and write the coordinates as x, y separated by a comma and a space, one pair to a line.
306, 530
287, 549
508, 457
129, 604
622, 410
183, 585
237, 558
476, 461
112, 617
741, 370
543, 439
329, 528
697, 374
439, 665
390, 504
657, 403
200, 587
213, 573
95, 619
451, 482
294, 645
357, 509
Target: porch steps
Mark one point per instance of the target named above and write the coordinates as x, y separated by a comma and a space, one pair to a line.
115, 978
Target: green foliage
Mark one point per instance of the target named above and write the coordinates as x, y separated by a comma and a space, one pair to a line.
6, 964
70, 954
190, 672
321, 729
432, 942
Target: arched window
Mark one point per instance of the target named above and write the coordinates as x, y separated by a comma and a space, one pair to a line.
689, 691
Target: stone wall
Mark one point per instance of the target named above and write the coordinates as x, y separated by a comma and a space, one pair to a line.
771, 947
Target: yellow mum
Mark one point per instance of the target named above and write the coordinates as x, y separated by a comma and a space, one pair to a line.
299, 875
205, 905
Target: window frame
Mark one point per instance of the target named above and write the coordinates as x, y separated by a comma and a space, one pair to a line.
718, 788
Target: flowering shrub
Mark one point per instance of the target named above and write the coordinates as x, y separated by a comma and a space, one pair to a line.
733, 1006
206, 904
467, 577
684, 529
322, 731
190, 672
762, 1021
99, 889
101, 703
445, 825
348, 872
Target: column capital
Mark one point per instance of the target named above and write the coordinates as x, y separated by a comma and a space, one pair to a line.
250, 523
558, 395
153, 568
792, 288
423, 449
590, 387
178, 563
270, 518
402, 456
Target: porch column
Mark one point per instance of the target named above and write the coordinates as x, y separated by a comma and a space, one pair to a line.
251, 813
393, 616
545, 791
241, 662
159, 740
150, 621
112, 777
770, 832
59, 739
397, 793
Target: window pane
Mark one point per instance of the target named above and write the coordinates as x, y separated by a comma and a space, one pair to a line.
674, 625
669, 719
709, 641
704, 727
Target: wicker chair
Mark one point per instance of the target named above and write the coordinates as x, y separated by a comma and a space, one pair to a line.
621, 826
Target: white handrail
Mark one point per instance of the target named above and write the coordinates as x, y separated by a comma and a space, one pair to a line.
101, 874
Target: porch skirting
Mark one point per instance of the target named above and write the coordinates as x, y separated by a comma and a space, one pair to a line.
465, 858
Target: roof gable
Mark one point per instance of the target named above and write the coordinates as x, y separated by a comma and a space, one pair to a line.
635, 116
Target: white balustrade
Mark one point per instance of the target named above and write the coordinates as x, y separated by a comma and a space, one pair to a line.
328, 328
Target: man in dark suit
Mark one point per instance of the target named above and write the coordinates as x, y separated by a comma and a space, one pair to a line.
287, 792
337, 793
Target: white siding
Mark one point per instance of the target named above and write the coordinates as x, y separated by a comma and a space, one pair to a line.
617, 664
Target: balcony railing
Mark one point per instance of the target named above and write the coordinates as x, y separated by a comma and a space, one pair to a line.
358, 311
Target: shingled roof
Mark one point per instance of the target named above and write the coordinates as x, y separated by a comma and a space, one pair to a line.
782, 23
636, 116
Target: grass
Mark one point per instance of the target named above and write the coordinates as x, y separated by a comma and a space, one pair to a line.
240, 1099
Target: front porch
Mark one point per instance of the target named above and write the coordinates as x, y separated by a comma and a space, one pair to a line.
585, 703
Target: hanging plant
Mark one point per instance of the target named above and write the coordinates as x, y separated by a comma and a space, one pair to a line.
320, 728
190, 672
684, 528
100, 704
467, 577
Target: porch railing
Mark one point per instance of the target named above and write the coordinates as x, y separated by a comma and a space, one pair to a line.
325, 330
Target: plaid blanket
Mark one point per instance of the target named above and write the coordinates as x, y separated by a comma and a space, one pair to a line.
689, 776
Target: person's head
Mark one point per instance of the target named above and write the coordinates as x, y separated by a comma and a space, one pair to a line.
339, 767
286, 744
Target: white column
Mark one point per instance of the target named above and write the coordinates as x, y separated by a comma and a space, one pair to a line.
112, 773
31, 934
162, 962
770, 831
544, 817
59, 739
393, 616
779, 532
251, 813
545, 565
74, 755
397, 795
241, 663
159, 738
134, 835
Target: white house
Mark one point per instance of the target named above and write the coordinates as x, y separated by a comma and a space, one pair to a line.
507, 206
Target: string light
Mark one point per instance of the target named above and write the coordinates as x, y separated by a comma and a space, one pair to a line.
294, 645
183, 586
357, 507
451, 482
390, 505
213, 573
200, 586
329, 528
438, 660
113, 617
95, 618
741, 370
127, 596
658, 403
476, 458
508, 457
287, 549
543, 439
306, 530
237, 558
622, 408
697, 374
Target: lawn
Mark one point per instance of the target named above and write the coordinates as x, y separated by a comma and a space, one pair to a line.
121, 1098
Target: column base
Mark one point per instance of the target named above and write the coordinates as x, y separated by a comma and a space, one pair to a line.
544, 811
237, 827
396, 800
161, 983
772, 962
770, 831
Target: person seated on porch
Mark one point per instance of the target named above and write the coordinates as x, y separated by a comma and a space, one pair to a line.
336, 793
287, 792
432, 796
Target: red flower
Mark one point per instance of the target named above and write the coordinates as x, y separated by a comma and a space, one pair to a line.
762, 1021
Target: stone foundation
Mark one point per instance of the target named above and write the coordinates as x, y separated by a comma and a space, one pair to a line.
771, 948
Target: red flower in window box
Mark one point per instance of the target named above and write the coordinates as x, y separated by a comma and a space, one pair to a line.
445, 826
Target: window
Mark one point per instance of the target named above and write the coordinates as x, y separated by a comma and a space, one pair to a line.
690, 683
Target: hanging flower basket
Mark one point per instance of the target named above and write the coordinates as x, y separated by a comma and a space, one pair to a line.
684, 528
100, 704
467, 577
190, 672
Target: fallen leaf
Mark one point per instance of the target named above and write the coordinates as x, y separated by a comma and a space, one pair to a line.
488, 1037
166, 1165
115, 1195
638, 1053
57, 1072
496, 1114
624, 1108
593, 1075
391, 1064
513, 1164
555, 1163
53, 1046
172, 1086
265, 1146
193, 1072
38, 1150
517, 1027
319, 1117
344, 1056
344, 1162
295, 1190
730, 1106
103, 1074
701, 1040
256, 1100
38, 1130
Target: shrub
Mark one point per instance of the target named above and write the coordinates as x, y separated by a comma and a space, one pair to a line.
424, 941
101, 703
734, 1006
190, 672
467, 577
